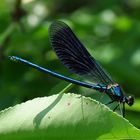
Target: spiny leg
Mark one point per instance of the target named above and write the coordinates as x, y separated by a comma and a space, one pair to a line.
110, 102
123, 110
116, 107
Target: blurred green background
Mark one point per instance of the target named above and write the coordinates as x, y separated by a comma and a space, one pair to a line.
110, 30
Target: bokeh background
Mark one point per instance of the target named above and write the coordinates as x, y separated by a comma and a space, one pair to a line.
109, 29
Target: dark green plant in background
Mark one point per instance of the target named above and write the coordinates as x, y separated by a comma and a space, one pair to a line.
109, 29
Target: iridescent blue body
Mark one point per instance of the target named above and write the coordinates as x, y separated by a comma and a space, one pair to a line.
115, 92
77, 59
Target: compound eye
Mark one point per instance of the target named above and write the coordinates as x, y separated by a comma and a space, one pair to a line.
130, 100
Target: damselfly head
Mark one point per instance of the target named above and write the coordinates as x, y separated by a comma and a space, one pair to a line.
129, 100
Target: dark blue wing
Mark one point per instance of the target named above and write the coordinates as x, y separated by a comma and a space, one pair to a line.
74, 55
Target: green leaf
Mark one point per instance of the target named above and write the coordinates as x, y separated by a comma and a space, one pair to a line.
64, 116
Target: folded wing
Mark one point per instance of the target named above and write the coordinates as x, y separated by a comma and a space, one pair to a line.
74, 55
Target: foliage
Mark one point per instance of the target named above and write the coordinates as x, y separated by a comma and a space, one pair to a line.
109, 29
62, 116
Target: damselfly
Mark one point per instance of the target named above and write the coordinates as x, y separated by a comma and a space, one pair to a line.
77, 59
